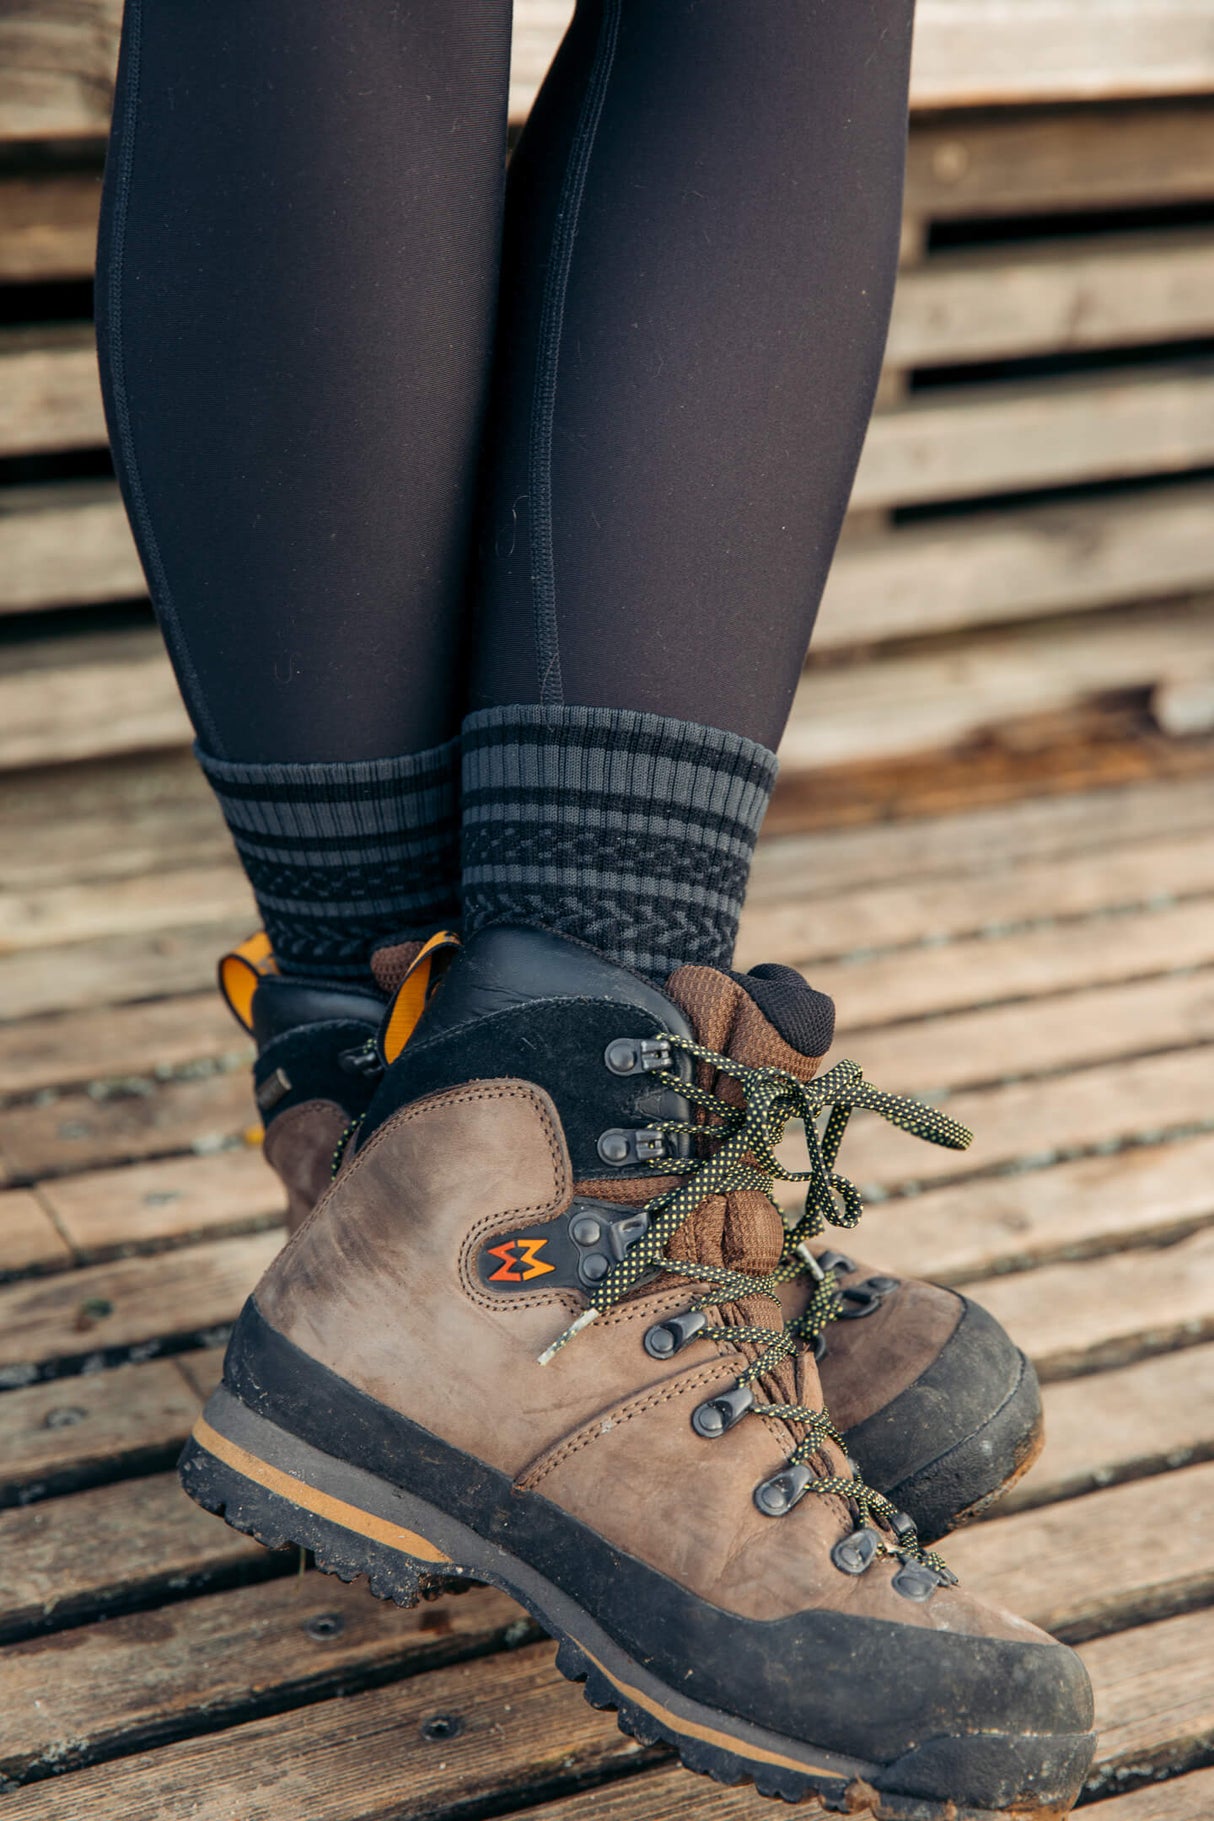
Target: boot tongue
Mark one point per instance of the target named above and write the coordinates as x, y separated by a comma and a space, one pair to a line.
756, 1019
770, 1018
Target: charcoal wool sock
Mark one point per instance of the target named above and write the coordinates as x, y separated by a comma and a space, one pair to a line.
630, 831
344, 857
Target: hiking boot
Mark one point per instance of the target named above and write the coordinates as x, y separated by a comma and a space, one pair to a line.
532, 1337
318, 1061
939, 1407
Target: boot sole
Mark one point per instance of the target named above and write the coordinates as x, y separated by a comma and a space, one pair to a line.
275, 1487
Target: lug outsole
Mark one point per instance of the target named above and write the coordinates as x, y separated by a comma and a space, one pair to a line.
392, 1574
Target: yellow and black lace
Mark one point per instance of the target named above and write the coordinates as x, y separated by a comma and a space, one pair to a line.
744, 1140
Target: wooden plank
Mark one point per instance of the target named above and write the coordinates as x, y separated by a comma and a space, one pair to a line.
984, 970
1103, 745
65, 543
58, 66
97, 1552
1043, 1036
1151, 1417
218, 892
1154, 1689
108, 694
63, 1436
78, 1131
134, 1305
513, 1730
116, 694
69, 542
1031, 160
903, 703
964, 441
511, 1725
152, 1039
50, 395
886, 916
1010, 563
951, 443
48, 225
978, 52
971, 841
1125, 1556
148, 1204
226, 1657
1144, 1195
296, 1639
1188, 1798
1054, 296
108, 818
966, 1230
111, 970
29, 1240
1023, 892
1108, 1311
1032, 1124
662, 1795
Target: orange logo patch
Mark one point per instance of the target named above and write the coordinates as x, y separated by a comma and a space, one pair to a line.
516, 1252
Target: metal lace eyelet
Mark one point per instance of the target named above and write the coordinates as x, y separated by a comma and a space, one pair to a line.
717, 1414
623, 1145
916, 1581
666, 1338
856, 1551
777, 1496
838, 1262
636, 1055
859, 1301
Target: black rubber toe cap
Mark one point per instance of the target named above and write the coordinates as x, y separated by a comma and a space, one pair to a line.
950, 1442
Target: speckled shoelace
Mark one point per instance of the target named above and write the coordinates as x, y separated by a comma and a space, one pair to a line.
744, 1140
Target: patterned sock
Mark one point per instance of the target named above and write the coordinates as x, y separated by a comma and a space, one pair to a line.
344, 857
630, 831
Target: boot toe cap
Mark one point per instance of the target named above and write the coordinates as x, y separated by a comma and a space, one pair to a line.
967, 1427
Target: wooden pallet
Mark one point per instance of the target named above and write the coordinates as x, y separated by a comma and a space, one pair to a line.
1048, 968
1040, 459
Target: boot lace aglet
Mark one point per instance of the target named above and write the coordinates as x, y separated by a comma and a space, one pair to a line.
583, 1321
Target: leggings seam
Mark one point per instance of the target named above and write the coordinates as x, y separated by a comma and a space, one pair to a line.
550, 685
174, 637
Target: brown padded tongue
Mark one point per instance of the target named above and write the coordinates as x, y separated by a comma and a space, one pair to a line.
742, 1229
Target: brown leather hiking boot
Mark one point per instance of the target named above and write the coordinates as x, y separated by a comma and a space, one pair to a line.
503, 1350
937, 1405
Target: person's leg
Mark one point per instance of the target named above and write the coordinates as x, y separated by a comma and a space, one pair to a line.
296, 289
702, 234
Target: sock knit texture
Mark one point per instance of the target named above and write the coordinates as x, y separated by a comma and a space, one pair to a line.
344, 857
632, 832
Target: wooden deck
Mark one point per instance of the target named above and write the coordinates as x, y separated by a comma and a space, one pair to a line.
991, 842
1047, 964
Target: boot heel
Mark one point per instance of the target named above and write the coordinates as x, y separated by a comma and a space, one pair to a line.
290, 1518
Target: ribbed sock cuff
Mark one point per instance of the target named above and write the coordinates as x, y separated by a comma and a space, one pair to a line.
630, 831
343, 857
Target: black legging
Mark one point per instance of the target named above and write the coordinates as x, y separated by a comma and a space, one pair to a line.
298, 307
